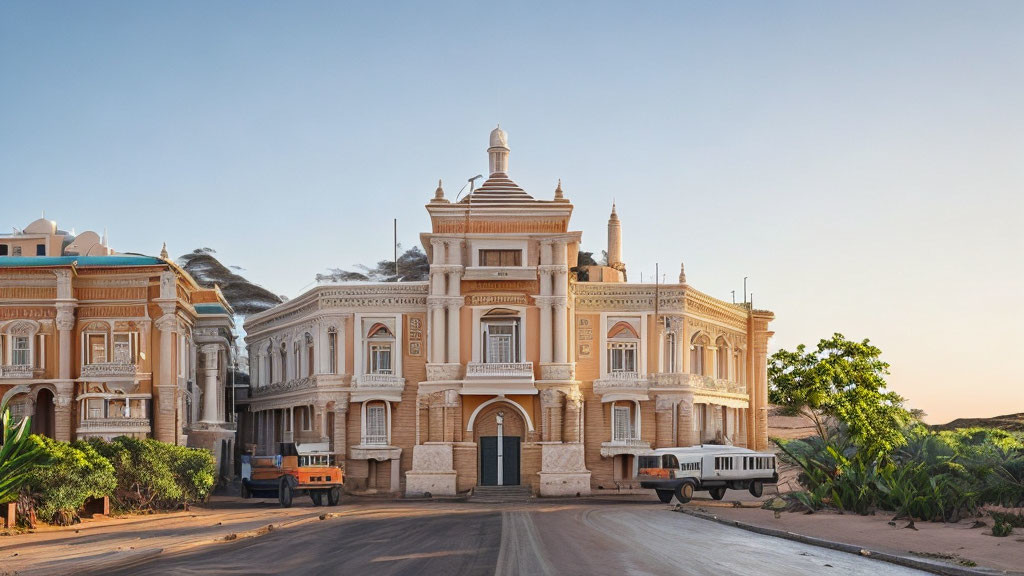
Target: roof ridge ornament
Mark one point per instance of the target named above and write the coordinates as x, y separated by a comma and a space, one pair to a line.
163, 252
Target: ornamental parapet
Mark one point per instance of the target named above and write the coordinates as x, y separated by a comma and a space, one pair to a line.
110, 370
698, 382
107, 425
633, 446
17, 371
441, 372
558, 372
285, 386
502, 370
627, 382
378, 381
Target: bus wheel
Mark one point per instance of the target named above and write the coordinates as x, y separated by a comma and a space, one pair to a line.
317, 497
756, 488
334, 496
684, 492
664, 495
284, 494
718, 492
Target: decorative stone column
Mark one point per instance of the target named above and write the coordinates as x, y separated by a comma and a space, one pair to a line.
551, 402
211, 352
62, 411
685, 434
571, 426
454, 309
437, 332
166, 386
664, 407
561, 339
339, 440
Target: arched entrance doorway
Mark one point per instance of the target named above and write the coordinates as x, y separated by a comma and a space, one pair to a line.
499, 431
43, 419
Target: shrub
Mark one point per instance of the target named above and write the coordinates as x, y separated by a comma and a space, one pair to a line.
74, 473
153, 475
18, 454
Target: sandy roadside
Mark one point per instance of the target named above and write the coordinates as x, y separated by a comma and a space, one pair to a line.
955, 542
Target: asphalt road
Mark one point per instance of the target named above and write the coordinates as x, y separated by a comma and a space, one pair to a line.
506, 540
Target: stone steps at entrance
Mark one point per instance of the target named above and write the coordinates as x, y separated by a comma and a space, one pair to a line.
501, 494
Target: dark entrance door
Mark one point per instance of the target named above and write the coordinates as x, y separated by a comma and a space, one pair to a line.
489, 461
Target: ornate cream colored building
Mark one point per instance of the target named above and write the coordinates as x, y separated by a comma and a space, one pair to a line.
504, 368
99, 344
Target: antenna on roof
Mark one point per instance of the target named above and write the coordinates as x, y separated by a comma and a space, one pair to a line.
396, 249
733, 296
745, 289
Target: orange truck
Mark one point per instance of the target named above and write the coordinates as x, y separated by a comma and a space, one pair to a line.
291, 474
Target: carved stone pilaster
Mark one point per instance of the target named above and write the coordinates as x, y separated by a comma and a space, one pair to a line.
63, 284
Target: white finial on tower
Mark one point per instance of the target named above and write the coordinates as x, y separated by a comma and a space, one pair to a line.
163, 252
498, 152
682, 273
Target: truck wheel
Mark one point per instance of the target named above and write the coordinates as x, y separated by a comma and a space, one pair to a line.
284, 494
317, 497
717, 493
334, 496
684, 492
756, 488
664, 495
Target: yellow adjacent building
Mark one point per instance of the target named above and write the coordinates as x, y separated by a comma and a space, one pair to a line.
99, 344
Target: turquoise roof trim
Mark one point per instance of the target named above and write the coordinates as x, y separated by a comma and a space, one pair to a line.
210, 309
83, 261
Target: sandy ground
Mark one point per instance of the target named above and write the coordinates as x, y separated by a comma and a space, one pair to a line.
589, 536
957, 540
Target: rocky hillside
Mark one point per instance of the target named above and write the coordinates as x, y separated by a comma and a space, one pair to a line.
1010, 423
244, 296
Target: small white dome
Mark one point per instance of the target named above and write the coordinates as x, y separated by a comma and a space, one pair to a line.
499, 139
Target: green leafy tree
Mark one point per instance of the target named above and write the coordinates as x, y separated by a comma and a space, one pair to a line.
841, 383
19, 453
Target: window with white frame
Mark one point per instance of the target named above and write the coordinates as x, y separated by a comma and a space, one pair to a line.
95, 348
376, 424
670, 352
623, 425
380, 342
332, 350
21, 352
698, 351
623, 342
499, 331
722, 358
126, 346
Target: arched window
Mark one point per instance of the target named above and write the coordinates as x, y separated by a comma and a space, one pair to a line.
499, 332
722, 358
623, 342
380, 342
698, 352
332, 350
310, 365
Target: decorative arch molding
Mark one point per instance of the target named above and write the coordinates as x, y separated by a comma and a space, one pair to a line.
19, 389
496, 400
623, 327
21, 328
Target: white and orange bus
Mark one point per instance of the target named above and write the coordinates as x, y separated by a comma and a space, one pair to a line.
680, 472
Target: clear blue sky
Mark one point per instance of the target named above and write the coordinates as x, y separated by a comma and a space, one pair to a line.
861, 162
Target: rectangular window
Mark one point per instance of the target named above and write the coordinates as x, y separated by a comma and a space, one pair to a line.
332, 346
380, 359
501, 257
96, 348
20, 351
3, 250
304, 420
623, 424
125, 347
500, 343
622, 356
16, 251
376, 425
40, 249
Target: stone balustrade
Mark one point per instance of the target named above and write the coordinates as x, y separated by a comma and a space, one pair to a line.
109, 370
379, 381
133, 424
499, 370
16, 371
697, 381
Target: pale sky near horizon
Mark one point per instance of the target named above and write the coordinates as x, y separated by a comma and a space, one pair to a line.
860, 162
